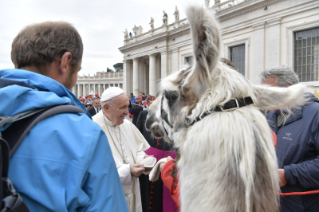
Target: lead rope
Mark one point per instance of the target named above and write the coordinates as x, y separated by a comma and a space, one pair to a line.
299, 193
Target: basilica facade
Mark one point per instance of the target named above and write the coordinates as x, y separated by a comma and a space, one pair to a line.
256, 35
97, 83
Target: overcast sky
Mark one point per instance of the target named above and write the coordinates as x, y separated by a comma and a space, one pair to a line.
100, 23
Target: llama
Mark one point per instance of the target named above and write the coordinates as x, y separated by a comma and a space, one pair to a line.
228, 161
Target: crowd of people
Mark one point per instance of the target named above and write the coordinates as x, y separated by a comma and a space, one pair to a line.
70, 162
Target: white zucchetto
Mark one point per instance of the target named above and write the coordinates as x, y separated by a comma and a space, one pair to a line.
110, 93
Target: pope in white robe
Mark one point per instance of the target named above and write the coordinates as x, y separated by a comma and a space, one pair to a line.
126, 142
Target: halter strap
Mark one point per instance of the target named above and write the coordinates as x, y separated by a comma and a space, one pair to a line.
231, 105
164, 116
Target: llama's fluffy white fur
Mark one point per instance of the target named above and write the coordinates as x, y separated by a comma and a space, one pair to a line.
228, 160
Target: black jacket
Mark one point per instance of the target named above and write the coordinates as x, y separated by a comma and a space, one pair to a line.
151, 191
92, 111
135, 111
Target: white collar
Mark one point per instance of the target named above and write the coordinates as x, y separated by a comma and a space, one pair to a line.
108, 122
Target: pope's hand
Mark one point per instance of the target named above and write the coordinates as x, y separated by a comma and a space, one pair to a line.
137, 169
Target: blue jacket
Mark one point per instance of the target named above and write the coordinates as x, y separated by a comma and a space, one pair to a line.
65, 162
298, 154
133, 100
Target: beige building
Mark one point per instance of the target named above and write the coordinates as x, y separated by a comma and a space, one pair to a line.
97, 83
256, 35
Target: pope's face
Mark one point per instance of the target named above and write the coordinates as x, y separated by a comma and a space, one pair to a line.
118, 109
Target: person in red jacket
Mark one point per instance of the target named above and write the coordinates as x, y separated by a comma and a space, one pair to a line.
169, 181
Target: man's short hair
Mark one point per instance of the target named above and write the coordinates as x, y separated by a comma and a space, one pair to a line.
284, 75
40, 44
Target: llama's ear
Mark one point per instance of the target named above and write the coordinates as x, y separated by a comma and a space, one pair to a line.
278, 98
206, 40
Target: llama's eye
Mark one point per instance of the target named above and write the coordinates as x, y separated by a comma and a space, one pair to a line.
171, 95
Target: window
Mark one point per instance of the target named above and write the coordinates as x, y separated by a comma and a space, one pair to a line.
188, 60
306, 54
237, 56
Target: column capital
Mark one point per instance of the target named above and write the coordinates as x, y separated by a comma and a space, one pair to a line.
136, 59
152, 55
175, 50
163, 52
274, 21
260, 25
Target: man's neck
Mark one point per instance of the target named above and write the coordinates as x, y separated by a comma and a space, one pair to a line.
33, 68
108, 117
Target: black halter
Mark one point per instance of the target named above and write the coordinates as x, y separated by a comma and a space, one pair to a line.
164, 116
231, 105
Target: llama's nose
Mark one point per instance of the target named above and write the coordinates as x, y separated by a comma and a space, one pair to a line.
148, 122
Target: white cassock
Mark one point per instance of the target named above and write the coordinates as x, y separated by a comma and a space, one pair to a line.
128, 146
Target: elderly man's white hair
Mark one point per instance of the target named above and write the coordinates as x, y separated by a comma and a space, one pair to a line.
284, 75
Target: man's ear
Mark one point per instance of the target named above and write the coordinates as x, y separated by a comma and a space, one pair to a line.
65, 62
106, 107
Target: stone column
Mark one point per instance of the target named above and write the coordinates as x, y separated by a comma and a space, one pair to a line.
175, 60
78, 90
89, 91
152, 75
135, 77
147, 77
141, 69
273, 51
258, 51
158, 69
125, 78
163, 64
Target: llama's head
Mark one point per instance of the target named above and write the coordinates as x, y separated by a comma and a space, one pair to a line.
179, 92
163, 115
187, 94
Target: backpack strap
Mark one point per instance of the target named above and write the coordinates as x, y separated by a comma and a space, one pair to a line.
11, 119
19, 129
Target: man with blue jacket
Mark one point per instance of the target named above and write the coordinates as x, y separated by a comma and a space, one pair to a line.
65, 162
297, 146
